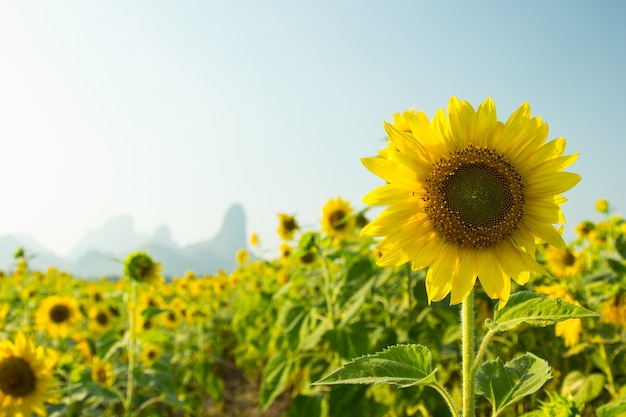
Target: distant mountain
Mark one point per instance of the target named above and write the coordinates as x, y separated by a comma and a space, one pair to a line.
101, 250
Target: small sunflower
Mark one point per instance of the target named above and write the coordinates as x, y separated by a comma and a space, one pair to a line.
614, 310
565, 263
468, 195
150, 353
254, 239
57, 316
287, 226
602, 206
337, 219
102, 372
26, 380
242, 256
100, 319
140, 267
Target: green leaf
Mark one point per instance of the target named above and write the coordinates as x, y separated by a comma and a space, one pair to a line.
582, 388
349, 341
615, 409
149, 312
402, 365
304, 405
620, 245
536, 310
274, 379
617, 266
153, 336
354, 303
505, 384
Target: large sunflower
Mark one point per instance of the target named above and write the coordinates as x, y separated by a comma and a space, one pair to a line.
57, 315
468, 196
26, 380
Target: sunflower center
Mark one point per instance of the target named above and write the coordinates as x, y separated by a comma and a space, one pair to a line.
335, 219
568, 258
59, 313
474, 197
17, 379
102, 318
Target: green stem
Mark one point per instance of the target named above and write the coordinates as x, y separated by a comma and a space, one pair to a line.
607, 370
481, 352
467, 352
327, 288
446, 396
132, 305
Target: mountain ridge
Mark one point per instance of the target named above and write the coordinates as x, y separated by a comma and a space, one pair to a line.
100, 251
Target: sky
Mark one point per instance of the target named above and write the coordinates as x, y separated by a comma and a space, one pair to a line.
173, 111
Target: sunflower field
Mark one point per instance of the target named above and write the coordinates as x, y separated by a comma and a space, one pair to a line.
363, 317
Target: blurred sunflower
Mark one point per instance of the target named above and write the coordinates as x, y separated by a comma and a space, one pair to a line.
337, 219
468, 195
287, 226
100, 319
564, 262
614, 310
102, 372
242, 256
57, 316
254, 239
26, 380
285, 250
150, 353
140, 267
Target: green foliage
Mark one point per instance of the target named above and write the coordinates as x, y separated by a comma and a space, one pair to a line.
402, 365
505, 384
527, 308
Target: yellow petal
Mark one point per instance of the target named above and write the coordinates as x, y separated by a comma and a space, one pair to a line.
391, 172
464, 277
551, 184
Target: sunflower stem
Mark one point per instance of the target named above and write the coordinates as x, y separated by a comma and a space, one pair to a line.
327, 288
132, 305
467, 352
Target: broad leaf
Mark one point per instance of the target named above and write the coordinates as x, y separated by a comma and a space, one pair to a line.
582, 388
526, 307
505, 384
402, 365
617, 409
620, 245
274, 379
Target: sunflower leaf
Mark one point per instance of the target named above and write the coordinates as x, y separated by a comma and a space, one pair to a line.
614, 409
401, 365
504, 384
536, 310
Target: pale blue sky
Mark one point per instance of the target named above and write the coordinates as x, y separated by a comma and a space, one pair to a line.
172, 111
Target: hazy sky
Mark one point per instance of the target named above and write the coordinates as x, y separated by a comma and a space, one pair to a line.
171, 111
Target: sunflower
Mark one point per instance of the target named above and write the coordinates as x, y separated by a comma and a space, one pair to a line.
242, 256
564, 262
254, 239
287, 226
102, 372
26, 380
100, 319
468, 196
337, 219
140, 267
150, 353
57, 316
